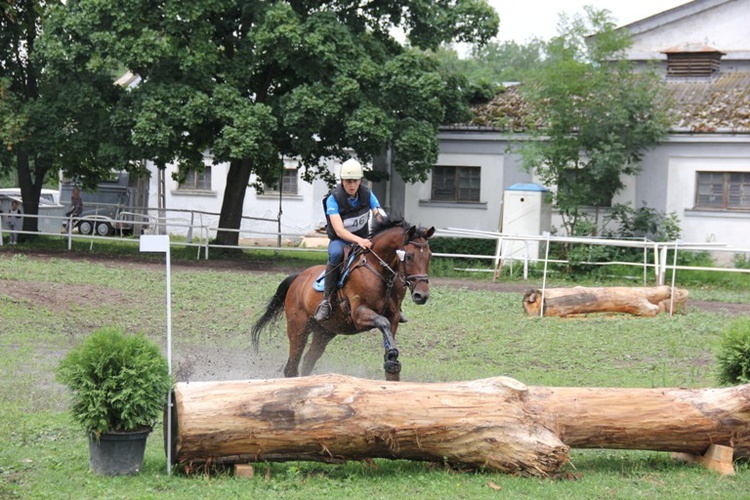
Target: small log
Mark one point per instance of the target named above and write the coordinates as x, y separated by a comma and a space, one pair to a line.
497, 424
639, 301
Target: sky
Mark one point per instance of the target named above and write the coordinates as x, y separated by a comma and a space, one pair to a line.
521, 20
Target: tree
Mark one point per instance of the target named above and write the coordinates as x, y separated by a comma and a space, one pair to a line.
52, 115
254, 81
595, 116
491, 65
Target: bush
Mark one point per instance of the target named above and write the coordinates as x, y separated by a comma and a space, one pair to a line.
119, 382
471, 246
733, 357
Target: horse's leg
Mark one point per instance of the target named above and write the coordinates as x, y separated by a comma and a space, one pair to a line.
298, 334
318, 345
392, 365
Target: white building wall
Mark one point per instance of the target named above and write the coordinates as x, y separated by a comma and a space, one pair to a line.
485, 215
719, 24
300, 214
700, 226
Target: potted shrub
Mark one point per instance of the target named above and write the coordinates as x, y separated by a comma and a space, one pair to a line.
120, 384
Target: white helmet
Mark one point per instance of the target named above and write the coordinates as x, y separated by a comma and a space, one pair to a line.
351, 169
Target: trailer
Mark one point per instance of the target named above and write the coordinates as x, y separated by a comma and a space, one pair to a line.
119, 205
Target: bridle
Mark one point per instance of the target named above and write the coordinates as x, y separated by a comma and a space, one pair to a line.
410, 281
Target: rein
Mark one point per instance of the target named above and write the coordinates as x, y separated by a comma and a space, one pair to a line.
409, 281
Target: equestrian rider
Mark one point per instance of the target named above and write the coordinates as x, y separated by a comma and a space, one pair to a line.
347, 209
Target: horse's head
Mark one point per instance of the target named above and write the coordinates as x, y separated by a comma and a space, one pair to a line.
407, 251
416, 262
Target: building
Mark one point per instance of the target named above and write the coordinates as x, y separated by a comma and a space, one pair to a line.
701, 171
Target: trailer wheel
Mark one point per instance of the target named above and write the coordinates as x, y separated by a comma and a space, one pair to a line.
86, 227
104, 229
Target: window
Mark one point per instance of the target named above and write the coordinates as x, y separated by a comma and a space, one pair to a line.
723, 191
197, 181
288, 183
460, 184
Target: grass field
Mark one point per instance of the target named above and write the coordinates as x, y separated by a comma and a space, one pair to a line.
48, 305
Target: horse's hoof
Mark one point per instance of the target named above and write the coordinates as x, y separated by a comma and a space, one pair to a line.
392, 366
392, 377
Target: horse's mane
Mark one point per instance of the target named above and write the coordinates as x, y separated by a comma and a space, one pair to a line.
381, 224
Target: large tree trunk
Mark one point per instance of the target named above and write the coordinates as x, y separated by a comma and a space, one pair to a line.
232, 205
640, 301
496, 423
333, 418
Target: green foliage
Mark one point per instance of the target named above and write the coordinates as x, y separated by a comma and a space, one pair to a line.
741, 261
492, 64
733, 356
55, 110
119, 382
595, 116
256, 82
644, 222
472, 246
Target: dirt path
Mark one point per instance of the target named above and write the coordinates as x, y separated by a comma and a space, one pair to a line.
52, 297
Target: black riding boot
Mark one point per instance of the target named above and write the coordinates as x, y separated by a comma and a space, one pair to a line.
325, 307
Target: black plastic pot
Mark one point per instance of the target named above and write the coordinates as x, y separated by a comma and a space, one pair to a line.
117, 453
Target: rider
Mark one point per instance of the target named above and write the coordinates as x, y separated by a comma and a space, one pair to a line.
348, 209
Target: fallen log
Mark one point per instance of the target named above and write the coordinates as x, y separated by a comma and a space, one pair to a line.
333, 418
639, 301
497, 424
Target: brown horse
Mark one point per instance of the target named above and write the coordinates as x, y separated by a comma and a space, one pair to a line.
374, 287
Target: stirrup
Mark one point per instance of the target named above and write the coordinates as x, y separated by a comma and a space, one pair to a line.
323, 312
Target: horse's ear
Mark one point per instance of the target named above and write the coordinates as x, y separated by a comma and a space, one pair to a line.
429, 233
409, 234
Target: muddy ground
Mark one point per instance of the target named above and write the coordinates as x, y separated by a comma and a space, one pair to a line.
83, 294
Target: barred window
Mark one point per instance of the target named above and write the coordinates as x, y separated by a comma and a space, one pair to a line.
288, 183
197, 181
723, 191
459, 184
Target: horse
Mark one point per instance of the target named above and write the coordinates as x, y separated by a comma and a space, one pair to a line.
374, 286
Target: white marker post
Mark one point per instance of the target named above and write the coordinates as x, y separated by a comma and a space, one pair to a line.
160, 243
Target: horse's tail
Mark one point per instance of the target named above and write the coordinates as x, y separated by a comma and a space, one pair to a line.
273, 310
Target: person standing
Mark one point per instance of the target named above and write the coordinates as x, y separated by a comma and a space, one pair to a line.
76, 204
14, 221
347, 208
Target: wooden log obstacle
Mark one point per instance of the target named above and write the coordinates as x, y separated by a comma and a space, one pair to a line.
497, 424
639, 301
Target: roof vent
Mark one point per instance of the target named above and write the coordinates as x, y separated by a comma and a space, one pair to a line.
693, 60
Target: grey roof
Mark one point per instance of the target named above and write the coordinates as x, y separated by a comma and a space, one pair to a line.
712, 104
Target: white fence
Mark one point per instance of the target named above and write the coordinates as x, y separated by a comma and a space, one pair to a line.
659, 265
200, 227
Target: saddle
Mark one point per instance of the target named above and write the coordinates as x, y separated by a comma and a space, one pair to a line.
350, 254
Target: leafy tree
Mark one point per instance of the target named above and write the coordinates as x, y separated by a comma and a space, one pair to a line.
596, 116
255, 80
52, 116
490, 65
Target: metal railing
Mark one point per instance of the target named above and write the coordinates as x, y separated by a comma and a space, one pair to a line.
201, 225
